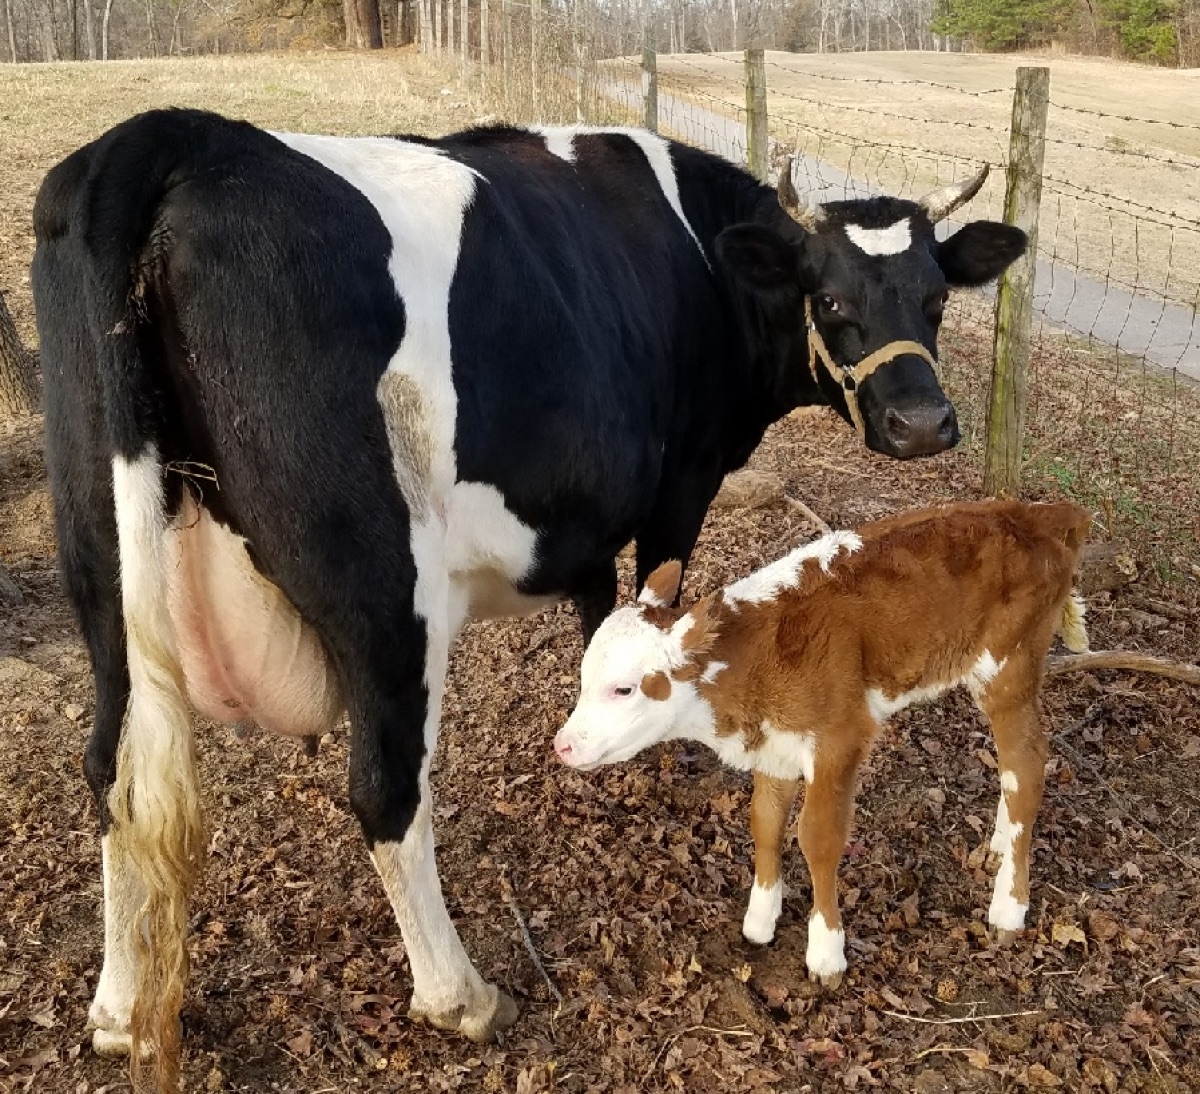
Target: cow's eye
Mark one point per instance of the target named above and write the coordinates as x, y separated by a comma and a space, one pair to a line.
623, 691
828, 304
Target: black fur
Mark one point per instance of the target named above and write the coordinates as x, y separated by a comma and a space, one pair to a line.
202, 287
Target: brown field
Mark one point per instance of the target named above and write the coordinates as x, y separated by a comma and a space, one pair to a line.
910, 136
632, 881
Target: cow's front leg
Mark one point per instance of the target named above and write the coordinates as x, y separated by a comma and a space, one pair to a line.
769, 810
595, 599
673, 528
395, 693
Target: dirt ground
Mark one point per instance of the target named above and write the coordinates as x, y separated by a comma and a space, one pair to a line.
632, 881
879, 117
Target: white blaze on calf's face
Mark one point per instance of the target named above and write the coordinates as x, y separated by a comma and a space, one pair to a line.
627, 699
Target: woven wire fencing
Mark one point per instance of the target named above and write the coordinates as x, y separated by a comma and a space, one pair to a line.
1113, 413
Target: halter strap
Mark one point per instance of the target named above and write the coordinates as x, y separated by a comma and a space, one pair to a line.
848, 377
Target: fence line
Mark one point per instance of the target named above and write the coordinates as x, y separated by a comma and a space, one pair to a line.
1113, 414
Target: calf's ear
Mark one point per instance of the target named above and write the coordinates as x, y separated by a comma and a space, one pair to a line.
979, 252
759, 259
662, 586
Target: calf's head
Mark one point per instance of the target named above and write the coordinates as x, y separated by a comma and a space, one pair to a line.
639, 676
849, 297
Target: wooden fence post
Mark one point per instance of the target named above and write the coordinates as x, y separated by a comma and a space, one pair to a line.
649, 85
756, 114
1014, 297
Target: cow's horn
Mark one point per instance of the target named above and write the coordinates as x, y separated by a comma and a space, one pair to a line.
804, 215
939, 204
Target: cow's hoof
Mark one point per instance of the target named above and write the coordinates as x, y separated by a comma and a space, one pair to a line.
493, 1013
1004, 938
114, 1044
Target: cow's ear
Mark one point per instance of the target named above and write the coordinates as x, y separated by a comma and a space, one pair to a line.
759, 258
979, 252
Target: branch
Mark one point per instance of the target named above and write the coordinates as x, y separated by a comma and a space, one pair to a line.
511, 898
1120, 659
808, 514
10, 593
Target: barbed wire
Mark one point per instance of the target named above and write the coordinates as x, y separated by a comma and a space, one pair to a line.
1124, 117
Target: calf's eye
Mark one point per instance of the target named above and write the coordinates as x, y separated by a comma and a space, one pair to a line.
622, 692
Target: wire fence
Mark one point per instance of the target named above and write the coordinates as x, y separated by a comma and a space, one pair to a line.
1113, 415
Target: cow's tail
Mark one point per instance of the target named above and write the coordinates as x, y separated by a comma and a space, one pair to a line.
155, 801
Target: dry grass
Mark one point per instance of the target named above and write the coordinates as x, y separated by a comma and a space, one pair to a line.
49, 110
909, 137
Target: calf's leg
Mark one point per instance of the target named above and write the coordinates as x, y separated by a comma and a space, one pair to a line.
769, 810
1010, 704
824, 829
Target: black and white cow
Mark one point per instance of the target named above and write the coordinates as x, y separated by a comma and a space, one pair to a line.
313, 402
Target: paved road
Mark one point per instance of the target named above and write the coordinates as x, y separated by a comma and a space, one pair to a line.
1146, 326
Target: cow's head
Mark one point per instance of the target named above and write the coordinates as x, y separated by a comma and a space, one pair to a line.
849, 296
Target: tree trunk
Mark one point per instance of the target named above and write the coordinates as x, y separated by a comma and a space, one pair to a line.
370, 23
89, 29
104, 30
12, 35
18, 381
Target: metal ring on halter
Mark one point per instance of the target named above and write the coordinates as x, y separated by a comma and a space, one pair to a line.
848, 377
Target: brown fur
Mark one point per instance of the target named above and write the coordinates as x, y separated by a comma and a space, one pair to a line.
916, 607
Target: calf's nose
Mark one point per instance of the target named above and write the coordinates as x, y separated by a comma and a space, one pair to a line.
920, 430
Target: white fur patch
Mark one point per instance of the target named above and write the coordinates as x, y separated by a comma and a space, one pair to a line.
1006, 913
650, 598
765, 584
1008, 781
892, 240
712, 670
1001, 840
982, 673
123, 896
560, 141
977, 677
825, 954
762, 913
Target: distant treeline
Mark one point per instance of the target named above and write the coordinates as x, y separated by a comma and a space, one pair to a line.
1165, 32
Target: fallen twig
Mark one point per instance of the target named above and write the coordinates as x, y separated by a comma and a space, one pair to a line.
812, 517
963, 1020
511, 899
1120, 659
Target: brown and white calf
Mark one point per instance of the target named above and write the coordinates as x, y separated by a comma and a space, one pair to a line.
791, 672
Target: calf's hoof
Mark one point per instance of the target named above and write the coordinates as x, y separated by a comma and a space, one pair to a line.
1002, 937
480, 1021
830, 980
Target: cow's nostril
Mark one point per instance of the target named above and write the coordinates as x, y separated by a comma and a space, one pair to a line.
895, 426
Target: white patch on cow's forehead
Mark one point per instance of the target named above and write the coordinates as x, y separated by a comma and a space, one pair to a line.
892, 240
560, 141
766, 583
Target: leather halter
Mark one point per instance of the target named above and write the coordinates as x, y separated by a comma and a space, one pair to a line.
849, 377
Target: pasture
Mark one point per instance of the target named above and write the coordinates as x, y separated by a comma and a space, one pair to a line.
630, 881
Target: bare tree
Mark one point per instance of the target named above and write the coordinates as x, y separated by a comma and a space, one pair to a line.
18, 379
12, 35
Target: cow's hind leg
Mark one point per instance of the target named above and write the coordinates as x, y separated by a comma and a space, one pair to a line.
396, 702
1010, 703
